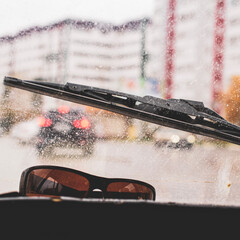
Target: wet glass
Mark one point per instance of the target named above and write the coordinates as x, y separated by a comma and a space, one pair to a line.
187, 50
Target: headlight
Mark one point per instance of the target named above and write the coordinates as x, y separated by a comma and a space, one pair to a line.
175, 138
191, 139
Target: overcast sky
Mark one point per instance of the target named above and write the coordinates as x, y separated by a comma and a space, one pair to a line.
19, 14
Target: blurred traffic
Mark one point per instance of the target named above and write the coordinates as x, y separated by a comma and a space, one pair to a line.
65, 127
175, 139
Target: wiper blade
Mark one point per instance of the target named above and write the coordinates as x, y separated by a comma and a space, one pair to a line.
186, 115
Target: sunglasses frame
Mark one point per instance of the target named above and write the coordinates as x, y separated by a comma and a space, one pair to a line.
95, 182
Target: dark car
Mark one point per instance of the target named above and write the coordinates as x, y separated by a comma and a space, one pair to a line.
174, 139
65, 127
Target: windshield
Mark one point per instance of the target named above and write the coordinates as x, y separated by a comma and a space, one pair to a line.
167, 49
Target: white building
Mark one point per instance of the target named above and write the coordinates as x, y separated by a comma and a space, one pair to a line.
193, 39
232, 41
96, 54
108, 56
195, 36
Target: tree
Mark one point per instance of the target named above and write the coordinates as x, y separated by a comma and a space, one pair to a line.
231, 101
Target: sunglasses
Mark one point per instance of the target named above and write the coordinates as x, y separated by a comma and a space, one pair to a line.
60, 181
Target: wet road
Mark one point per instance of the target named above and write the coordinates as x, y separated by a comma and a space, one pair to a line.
205, 174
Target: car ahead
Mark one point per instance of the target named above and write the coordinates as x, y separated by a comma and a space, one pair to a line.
75, 212
65, 127
174, 139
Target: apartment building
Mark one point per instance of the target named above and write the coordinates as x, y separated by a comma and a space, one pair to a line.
184, 48
192, 50
84, 52
232, 41
198, 45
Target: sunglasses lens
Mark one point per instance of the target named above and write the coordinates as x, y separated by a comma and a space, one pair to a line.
129, 190
55, 182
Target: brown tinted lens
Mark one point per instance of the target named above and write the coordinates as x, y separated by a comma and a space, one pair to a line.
129, 190
55, 182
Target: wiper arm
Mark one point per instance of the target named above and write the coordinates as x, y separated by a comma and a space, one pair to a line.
186, 115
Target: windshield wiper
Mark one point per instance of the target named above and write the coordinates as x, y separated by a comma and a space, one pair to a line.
186, 115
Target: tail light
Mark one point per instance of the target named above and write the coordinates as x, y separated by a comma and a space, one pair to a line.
82, 123
44, 122
63, 109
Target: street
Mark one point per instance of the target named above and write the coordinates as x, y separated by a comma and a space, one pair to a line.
205, 174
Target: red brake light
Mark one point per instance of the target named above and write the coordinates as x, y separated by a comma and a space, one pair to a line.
83, 123
63, 109
44, 122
